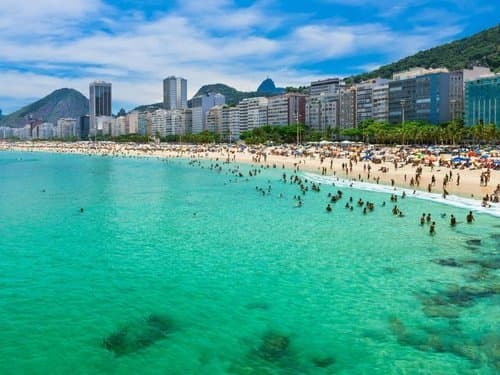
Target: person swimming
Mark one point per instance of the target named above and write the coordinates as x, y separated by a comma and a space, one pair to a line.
422, 219
329, 208
453, 220
470, 217
428, 218
432, 228
81, 210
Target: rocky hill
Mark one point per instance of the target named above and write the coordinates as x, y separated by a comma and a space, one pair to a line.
59, 104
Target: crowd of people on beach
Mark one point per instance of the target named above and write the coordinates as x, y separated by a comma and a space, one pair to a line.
356, 162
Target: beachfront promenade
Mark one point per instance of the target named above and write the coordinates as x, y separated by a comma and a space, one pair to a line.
436, 170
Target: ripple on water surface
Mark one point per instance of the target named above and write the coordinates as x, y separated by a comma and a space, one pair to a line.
174, 268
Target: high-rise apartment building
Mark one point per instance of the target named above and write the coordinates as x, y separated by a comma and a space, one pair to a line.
200, 106
174, 93
231, 122
482, 101
432, 101
253, 113
144, 123
83, 127
326, 86
99, 102
402, 100
66, 128
347, 108
178, 121
286, 109
133, 122
380, 103
214, 120
365, 99
322, 111
159, 123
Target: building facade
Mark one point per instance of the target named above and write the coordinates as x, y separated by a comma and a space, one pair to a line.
482, 101
322, 111
370, 99
286, 109
256, 113
326, 86
100, 102
347, 108
174, 93
66, 128
402, 100
178, 121
133, 122
144, 123
200, 106
432, 101
380, 98
159, 123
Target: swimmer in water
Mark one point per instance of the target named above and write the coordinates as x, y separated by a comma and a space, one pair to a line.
470, 217
432, 228
81, 210
453, 221
428, 218
422, 219
328, 208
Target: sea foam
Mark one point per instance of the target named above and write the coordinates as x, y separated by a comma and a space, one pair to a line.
451, 200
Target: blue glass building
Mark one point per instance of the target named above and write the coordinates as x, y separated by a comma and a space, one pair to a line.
482, 101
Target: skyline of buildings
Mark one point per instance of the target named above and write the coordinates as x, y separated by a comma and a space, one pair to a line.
431, 95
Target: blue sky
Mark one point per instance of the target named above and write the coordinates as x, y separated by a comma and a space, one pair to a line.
49, 44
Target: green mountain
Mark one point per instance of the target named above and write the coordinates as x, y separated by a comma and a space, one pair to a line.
482, 49
148, 107
59, 104
232, 95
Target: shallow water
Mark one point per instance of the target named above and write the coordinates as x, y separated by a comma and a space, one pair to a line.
178, 269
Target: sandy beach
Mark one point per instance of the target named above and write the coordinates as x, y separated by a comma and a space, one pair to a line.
343, 162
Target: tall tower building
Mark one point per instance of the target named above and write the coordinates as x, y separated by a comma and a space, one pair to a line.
174, 93
99, 102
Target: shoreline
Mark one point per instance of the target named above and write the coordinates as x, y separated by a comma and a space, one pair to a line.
330, 167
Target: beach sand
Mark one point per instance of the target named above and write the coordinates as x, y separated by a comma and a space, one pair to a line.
469, 186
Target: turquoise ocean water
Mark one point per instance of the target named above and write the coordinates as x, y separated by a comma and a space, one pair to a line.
177, 269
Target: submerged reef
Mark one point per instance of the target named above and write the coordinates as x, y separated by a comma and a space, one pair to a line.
139, 335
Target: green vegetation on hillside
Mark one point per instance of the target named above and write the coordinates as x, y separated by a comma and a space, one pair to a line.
148, 107
62, 103
232, 95
480, 49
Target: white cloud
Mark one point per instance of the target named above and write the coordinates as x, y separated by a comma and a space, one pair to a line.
206, 42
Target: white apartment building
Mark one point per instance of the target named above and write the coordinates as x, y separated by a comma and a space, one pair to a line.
159, 123
66, 128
